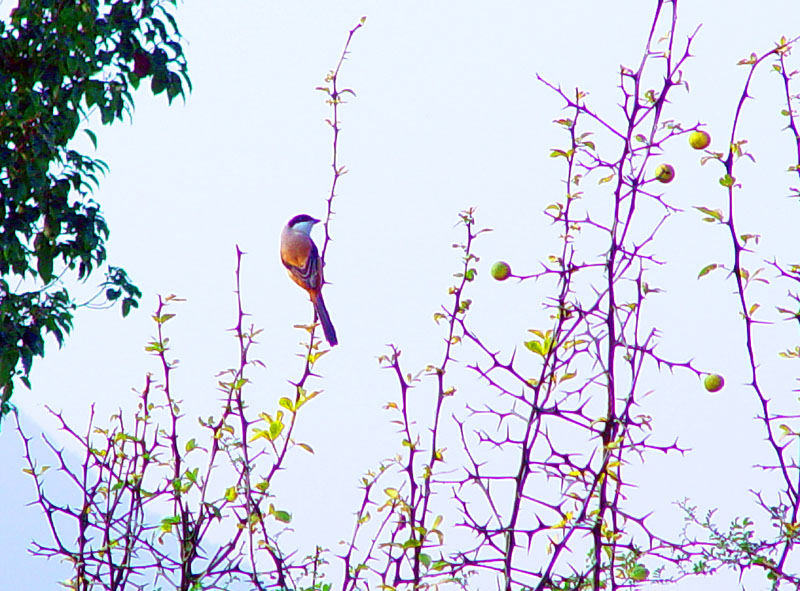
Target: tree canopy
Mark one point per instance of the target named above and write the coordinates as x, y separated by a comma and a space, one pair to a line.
63, 63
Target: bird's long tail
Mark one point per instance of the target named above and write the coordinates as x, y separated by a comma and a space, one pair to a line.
325, 320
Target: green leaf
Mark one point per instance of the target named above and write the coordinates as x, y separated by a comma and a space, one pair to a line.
158, 84
540, 347
707, 269
168, 522
127, 304
282, 516
191, 475
713, 214
535, 347
44, 263
606, 179
92, 137
174, 87
8, 362
275, 429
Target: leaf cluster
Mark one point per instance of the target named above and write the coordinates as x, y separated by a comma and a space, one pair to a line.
61, 61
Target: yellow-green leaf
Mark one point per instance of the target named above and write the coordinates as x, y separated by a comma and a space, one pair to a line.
282, 516
714, 214
606, 179
707, 269
275, 429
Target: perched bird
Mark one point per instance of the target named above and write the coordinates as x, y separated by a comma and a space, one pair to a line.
300, 256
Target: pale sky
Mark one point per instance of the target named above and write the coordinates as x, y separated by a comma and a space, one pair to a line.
448, 115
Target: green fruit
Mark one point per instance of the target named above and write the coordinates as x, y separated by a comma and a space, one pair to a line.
714, 382
665, 173
52, 228
501, 270
699, 140
640, 573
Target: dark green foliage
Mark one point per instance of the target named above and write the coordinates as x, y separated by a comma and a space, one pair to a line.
62, 61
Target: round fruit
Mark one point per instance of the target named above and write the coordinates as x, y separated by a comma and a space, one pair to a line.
640, 573
699, 140
501, 270
141, 64
714, 382
665, 173
52, 228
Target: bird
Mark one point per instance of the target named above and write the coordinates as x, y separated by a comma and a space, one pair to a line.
301, 258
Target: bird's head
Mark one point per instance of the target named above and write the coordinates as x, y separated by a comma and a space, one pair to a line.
302, 223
